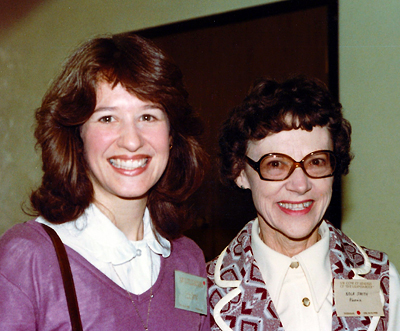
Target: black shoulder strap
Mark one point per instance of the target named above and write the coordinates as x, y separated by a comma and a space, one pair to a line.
68, 281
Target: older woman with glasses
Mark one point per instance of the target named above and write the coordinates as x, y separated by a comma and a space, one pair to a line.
290, 269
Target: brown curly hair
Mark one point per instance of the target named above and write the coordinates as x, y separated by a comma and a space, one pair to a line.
144, 70
271, 107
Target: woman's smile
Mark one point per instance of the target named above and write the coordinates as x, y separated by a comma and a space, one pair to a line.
296, 208
129, 164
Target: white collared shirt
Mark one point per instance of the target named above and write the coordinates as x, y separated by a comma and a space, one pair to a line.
292, 288
98, 240
300, 287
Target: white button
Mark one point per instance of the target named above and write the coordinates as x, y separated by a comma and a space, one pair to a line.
138, 252
306, 302
294, 265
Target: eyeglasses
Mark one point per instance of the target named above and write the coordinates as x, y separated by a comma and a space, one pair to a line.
276, 166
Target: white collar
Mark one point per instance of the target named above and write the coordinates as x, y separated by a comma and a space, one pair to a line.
314, 261
94, 233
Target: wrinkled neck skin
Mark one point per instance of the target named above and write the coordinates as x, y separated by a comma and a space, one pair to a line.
286, 245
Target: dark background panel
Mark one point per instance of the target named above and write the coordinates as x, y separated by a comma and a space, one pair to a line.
220, 57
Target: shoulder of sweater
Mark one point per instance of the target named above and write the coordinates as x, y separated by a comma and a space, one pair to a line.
188, 256
26, 251
24, 237
185, 244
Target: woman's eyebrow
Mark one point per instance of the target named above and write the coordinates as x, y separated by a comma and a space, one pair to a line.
152, 106
105, 108
144, 107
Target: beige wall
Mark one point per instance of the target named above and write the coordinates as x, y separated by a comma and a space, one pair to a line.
32, 49
369, 56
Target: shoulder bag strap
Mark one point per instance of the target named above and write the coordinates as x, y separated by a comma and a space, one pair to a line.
68, 281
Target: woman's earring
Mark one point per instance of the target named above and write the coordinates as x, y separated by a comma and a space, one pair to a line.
242, 187
170, 146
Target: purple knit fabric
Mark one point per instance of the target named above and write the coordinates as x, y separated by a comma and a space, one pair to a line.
32, 294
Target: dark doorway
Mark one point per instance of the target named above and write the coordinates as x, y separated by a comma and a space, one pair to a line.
220, 56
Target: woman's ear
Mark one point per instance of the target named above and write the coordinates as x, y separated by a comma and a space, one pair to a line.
242, 180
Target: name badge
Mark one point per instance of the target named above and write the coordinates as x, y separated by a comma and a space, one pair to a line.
358, 297
190, 292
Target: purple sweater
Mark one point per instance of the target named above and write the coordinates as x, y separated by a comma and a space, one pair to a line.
32, 294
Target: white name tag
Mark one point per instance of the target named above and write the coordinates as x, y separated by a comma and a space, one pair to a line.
190, 292
358, 297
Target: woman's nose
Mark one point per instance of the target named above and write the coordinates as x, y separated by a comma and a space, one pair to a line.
298, 181
129, 137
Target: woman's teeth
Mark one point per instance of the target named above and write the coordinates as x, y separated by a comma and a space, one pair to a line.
128, 164
295, 206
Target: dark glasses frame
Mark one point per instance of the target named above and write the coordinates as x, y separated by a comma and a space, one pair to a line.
256, 165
